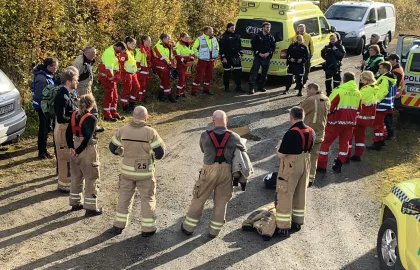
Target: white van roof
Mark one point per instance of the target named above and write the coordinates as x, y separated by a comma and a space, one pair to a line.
362, 3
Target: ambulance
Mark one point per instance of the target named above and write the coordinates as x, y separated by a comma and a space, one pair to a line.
284, 16
408, 49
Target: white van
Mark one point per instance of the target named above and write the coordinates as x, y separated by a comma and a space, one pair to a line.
357, 21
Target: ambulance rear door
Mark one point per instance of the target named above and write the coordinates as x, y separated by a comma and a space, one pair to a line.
404, 44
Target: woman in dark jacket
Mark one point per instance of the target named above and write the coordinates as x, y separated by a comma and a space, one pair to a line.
297, 55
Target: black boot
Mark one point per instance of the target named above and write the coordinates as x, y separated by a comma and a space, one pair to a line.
207, 92
76, 207
337, 166
184, 230
126, 109
284, 232
162, 97
172, 99
375, 146
355, 158
299, 93
266, 237
115, 230
321, 170
286, 91
227, 89
132, 105
177, 97
296, 227
147, 234
251, 90
92, 213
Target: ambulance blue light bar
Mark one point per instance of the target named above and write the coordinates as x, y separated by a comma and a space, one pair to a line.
416, 42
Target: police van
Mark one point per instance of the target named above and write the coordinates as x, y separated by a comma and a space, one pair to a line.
408, 49
284, 17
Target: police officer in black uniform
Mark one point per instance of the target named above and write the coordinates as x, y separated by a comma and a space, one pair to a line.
230, 54
297, 55
333, 54
263, 44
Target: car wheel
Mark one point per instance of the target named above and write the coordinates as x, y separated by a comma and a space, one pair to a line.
360, 46
386, 41
387, 245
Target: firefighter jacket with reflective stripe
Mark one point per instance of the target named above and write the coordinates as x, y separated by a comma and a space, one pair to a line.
369, 100
139, 145
141, 60
242, 164
109, 63
387, 90
345, 104
316, 110
206, 48
399, 75
127, 61
163, 54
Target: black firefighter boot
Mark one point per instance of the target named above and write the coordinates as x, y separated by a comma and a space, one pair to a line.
299, 94
375, 146
172, 99
162, 97
337, 166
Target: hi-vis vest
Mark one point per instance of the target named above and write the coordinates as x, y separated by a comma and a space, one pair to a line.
130, 63
387, 91
141, 59
165, 53
183, 50
137, 141
204, 49
109, 60
345, 112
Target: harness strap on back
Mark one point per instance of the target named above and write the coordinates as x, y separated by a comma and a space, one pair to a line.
220, 147
78, 128
302, 135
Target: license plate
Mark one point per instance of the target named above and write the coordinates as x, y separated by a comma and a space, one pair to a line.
413, 89
6, 109
249, 52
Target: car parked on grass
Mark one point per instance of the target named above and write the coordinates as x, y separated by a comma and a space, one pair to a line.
12, 115
398, 243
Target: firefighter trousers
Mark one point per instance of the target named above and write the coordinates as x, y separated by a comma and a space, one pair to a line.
165, 80
379, 126
182, 78
314, 159
332, 78
110, 98
359, 135
63, 155
131, 88
218, 178
84, 88
147, 190
203, 68
344, 133
235, 63
292, 184
85, 167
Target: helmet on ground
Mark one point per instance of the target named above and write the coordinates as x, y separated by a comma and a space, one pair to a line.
270, 180
173, 74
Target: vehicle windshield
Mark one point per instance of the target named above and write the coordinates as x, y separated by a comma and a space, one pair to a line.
415, 63
248, 28
346, 13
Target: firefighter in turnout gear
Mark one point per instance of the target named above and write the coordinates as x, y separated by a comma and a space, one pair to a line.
84, 162
130, 84
293, 175
333, 54
139, 145
263, 221
297, 55
109, 72
64, 105
345, 106
184, 60
163, 58
386, 94
366, 117
230, 54
316, 107
206, 49
218, 146
143, 56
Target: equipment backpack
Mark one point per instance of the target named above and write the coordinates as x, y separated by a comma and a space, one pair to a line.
47, 101
77, 129
219, 147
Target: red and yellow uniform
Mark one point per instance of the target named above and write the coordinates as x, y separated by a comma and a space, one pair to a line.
130, 84
184, 56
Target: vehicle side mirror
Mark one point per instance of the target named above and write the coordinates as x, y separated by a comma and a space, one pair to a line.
333, 29
412, 207
371, 21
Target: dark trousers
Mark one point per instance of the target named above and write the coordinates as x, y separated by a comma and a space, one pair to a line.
234, 62
289, 82
307, 69
43, 129
388, 123
332, 78
264, 64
